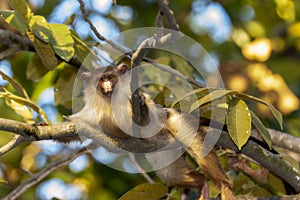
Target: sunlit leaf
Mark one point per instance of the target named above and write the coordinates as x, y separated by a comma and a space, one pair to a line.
21, 109
217, 114
240, 180
164, 60
25, 102
146, 191
276, 184
210, 97
275, 112
21, 7
238, 122
215, 94
35, 68
85, 54
44, 51
40, 27
197, 92
62, 41
261, 129
17, 86
15, 20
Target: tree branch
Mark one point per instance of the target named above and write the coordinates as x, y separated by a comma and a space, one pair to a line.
15, 141
267, 159
281, 139
9, 38
36, 178
271, 161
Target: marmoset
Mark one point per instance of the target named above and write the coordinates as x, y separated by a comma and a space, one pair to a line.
108, 105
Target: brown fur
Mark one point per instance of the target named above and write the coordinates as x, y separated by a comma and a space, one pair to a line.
184, 127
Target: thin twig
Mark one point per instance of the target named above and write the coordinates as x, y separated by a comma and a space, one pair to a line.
173, 72
168, 13
159, 24
10, 51
139, 169
29, 173
95, 31
158, 20
36, 178
9, 38
15, 141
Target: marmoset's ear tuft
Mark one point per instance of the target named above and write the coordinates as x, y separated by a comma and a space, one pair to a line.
122, 68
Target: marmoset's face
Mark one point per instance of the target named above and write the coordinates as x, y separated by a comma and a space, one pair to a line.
107, 82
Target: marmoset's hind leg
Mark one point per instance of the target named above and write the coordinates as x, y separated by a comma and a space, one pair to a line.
180, 174
179, 125
212, 168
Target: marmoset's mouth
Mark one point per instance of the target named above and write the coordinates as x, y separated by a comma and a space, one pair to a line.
107, 93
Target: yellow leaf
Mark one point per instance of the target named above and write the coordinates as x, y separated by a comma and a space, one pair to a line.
238, 122
21, 109
146, 191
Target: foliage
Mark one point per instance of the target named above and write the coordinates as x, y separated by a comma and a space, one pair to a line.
259, 57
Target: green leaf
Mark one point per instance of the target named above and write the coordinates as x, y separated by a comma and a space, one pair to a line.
44, 51
21, 7
35, 69
8, 96
146, 191
275, 112
62, 41
17, 86
261, 129
210, 97
81, 48
199, 91
238, 122
217, 114
40, 27
85, 54
20, 109
276, 184
63, 87
15, 20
